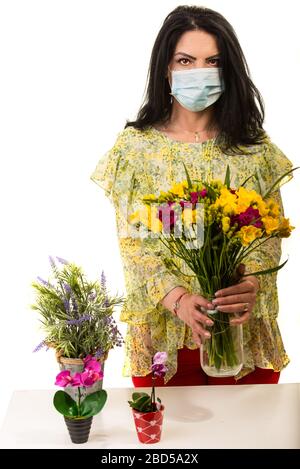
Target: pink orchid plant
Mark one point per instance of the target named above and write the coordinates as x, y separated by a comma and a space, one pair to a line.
144, 402
91, 404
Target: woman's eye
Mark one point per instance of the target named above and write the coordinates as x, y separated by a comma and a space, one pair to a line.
215, 61
180, 61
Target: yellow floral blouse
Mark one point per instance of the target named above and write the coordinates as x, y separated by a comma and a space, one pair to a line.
143, 162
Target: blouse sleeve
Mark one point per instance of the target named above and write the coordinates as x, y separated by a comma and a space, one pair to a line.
113, 172
269, 254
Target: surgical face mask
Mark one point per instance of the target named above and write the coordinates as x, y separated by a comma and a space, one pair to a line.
197, 88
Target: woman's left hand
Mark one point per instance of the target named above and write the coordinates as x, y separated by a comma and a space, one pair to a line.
239, 298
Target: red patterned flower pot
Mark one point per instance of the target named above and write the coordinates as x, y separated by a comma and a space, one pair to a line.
148, 425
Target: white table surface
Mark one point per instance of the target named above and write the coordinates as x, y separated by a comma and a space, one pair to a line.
254, 416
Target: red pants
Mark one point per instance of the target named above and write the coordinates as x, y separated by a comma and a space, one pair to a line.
190, 373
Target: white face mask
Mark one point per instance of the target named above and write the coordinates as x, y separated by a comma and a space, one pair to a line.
197, 88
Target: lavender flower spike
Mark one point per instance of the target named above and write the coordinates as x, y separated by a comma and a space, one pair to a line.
41, 280
51, 260
62, 261
103, 280
67, 288
76, 322
39, 347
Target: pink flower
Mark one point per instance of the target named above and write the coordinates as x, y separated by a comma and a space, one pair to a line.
251, 216
194, 197
91, 364
185, 204
76, 380
64, 379
167, 216
160, 358
159, 370
89, 377
203, 193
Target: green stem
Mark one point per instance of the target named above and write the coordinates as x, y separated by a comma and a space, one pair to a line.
79, 401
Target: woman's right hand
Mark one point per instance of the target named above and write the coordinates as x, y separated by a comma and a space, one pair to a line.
189, 311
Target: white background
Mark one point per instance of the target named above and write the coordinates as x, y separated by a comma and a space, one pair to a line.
71, 73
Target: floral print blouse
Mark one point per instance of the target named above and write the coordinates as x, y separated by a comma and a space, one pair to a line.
143, 162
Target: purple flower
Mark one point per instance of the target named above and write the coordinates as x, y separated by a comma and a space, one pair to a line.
67, 288
62, 261
103, 280
159, 370
92, 296
98, 353
76, 322
51, 260
39, 346
160, 358
44, 282
66, 304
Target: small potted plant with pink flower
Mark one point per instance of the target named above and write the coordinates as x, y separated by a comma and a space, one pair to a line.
147, 409
78, 413
76, 316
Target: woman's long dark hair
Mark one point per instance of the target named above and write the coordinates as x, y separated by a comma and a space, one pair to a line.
236, 113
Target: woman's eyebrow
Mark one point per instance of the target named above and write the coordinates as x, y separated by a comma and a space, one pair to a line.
194, 58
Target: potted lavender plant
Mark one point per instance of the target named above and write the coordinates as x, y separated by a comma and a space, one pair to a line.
77, 317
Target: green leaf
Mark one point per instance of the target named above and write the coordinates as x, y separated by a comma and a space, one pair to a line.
267, 271
64, 404
143, 404
93, 403
137, 395
227, 177
246, 180
187, 177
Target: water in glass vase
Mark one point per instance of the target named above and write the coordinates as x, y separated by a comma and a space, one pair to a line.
222, 354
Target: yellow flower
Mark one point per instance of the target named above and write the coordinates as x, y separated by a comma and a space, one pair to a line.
156, 225
246, 198
226, 201
225, 224
188, 216
249, 234
285, 228
150, 197
262, 207
178, 188
143, 215
271, 224
273, 207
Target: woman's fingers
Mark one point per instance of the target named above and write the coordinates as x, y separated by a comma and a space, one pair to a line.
235, 299
243, 318
243, 287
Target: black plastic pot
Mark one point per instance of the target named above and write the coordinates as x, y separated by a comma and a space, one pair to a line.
79, 429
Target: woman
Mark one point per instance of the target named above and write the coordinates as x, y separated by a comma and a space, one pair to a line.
201, 107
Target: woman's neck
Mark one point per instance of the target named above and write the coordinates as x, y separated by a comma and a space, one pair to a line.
182, 119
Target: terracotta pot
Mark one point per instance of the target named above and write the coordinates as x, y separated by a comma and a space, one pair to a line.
148, 425
79, 429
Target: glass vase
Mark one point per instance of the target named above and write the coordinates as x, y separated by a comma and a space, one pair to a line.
222, 354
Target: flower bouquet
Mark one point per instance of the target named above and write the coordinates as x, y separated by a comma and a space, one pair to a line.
78, 413
210, 228
147, 409
76, 316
